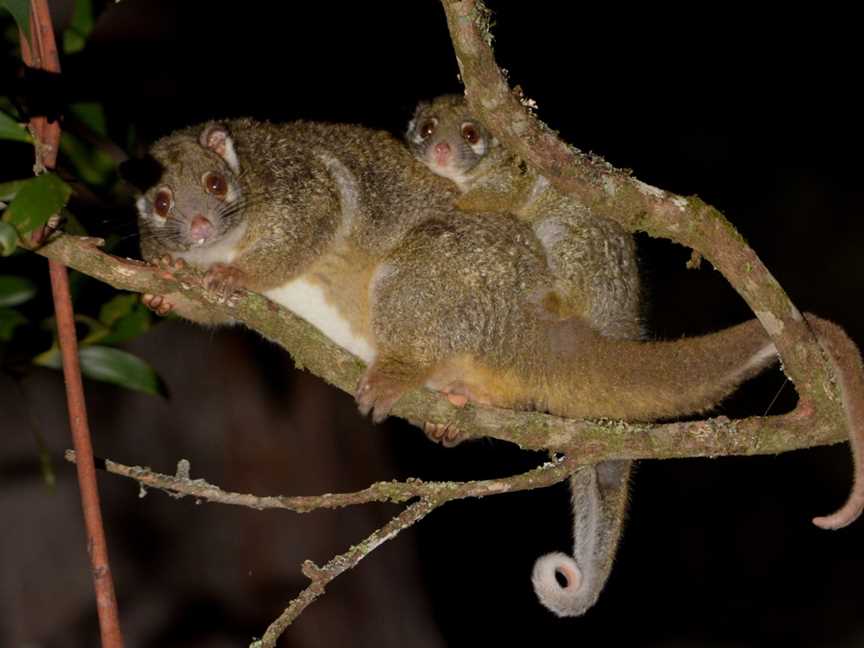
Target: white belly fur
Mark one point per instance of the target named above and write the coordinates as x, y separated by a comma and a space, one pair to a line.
308, 301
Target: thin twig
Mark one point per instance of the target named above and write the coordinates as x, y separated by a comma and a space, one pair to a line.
391, 491
546, 475
43, 56
431, 494
321, 576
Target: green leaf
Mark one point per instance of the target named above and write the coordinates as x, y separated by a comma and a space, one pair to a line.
8, 107
36, 201
71, 224
110, 365
8, 190
96, 330
129, 325
92, 114
121, 368
91, 163
75, 37
9, 321
117, 308
12, 130
20, 10
8, 239
15, 290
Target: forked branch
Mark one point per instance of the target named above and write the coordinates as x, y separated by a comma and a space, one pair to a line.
616, 195
431, 496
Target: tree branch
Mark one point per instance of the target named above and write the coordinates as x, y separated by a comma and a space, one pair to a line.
616, 195
591, 441
431, 494
396, 492
321, 576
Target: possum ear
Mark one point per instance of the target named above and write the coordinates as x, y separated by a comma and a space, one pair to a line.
141, 173
216, 138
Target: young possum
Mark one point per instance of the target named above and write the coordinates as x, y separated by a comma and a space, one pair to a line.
342, 226
594, 264
593, 259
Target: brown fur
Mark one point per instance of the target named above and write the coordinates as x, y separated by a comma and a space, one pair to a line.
592, 259
444, 298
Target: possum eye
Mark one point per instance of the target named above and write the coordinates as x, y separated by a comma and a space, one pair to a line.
427, 128
163, 202
470, 133
215, 184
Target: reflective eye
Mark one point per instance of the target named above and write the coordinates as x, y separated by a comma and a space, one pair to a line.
215, 184
470, 133
427, 128
162, 203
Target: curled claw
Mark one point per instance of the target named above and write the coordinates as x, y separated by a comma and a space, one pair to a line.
376, 395
224, 282
446, 434
169, 264
383, 384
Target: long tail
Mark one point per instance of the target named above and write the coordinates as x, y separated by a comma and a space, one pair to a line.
639, 381
597, 376
594, 376
570, 585
849, 373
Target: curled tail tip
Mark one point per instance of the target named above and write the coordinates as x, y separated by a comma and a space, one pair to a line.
560, 585
845, 515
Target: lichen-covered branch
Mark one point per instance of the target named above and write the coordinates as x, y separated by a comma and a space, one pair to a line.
321, 576
431, 496
592, 440
180, 484
616, 195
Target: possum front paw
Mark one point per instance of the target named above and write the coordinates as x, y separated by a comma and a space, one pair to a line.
167, 266
159, 304
224, 282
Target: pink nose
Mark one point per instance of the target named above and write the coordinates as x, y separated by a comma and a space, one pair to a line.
441, 152
200, 228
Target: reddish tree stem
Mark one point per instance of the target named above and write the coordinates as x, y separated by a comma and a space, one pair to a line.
41, 53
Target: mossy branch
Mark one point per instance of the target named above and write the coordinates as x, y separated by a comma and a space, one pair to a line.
591, 441
639, 207
431, 495
395, 492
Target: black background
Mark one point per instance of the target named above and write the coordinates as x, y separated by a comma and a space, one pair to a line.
758, 115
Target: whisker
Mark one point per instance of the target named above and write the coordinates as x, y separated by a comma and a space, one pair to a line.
776, 396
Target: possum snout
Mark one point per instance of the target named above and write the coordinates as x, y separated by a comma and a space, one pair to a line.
200, 229
442, 152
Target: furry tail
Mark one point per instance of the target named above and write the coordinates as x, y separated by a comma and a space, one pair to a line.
594, 376
849, 373
570, 585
